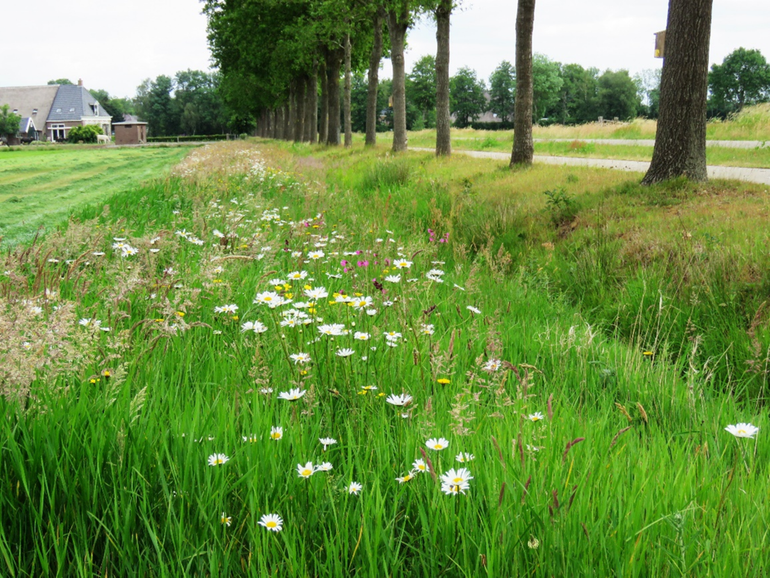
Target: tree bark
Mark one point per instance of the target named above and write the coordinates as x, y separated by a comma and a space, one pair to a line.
680, 141
398, 22
523, 145
287, 121
262, 125
300, 95
346, 99
292, 107
443, 122
333, 65
374, 80
276, 123
324, 123
311, 108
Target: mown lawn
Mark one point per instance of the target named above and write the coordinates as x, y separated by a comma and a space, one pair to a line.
298, 361
40, 187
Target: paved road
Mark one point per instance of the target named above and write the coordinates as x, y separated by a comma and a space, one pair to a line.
731, 144
761, 176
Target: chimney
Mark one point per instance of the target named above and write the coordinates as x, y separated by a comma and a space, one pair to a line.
80, 82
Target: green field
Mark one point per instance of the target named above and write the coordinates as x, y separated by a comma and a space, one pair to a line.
38, 188
576, 341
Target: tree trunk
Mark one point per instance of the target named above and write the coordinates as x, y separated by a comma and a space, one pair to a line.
680, 141
292, 106
333, 65
324, 124
443, 122
398, 22
262, 124
299, 115
374, 80
346, 101
523, 146
311, 108
287, 120
276, 124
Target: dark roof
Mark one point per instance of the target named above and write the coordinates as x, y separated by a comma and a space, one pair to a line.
26, 124
74, 102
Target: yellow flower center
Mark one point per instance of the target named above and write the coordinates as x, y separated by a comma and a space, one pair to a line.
437, 447
271, 524
458, 480
307, 472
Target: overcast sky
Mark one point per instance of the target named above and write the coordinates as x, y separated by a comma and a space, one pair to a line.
114, 45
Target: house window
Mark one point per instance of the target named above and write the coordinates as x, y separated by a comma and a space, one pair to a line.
15, 111
58, 132
34, 111
72, 110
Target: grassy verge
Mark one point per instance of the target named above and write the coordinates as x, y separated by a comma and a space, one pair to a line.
501, 141
40, 187
584, 455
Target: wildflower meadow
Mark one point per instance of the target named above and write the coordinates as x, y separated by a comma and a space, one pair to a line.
237, 370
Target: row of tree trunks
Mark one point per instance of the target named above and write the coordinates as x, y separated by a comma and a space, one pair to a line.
398, 22
443, 122
374, 68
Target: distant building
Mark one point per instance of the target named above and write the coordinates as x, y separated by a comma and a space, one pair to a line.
130, 132
49, 112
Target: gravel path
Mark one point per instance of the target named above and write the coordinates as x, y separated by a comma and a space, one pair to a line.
761, 176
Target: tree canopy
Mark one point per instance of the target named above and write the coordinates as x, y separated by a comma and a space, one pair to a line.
466, 97
742, 78
9, 122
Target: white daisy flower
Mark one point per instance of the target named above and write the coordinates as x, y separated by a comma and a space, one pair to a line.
400, 400
325, 442
305, 471
292, 394
217, 459
272, 522
437, 444
743, 430
300, 358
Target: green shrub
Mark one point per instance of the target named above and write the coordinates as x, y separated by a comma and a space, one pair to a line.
561, 205
86, 134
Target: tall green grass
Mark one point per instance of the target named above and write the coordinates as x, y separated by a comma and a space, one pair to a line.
104, 469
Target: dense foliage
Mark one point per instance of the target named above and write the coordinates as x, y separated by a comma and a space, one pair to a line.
9, 122
84, 133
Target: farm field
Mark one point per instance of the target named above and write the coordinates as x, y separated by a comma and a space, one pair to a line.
290, 360
40, 187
